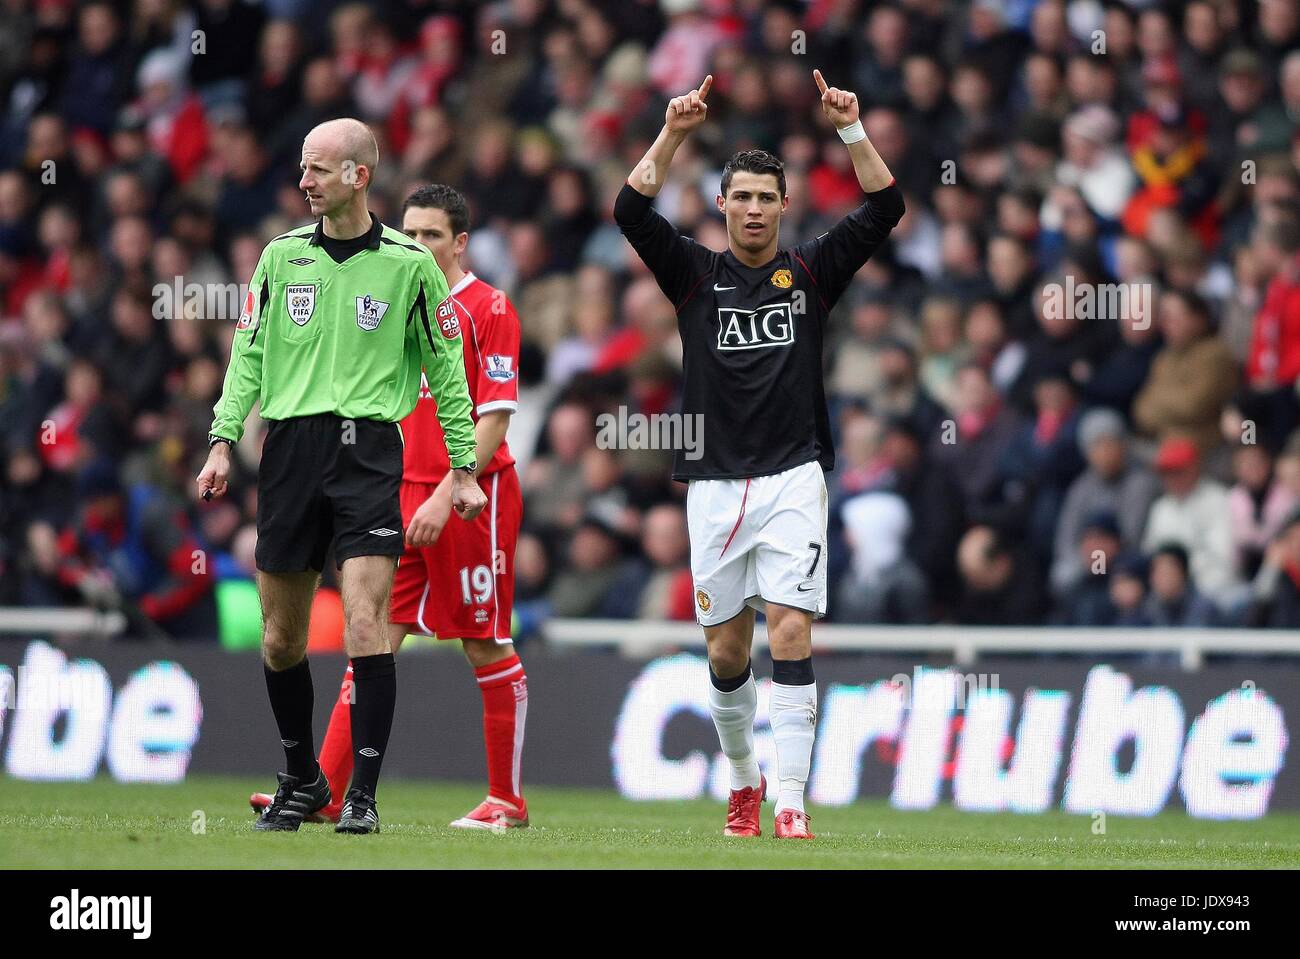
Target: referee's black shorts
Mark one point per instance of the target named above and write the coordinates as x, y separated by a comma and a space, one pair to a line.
324, 477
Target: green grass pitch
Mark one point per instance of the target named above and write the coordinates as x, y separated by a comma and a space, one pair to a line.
108, 825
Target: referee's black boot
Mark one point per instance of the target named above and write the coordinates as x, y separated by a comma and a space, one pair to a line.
360, 814
293, 802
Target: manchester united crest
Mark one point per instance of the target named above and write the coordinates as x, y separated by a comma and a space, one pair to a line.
703, 601
782, 279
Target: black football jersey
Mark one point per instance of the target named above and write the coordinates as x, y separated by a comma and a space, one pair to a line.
752, 337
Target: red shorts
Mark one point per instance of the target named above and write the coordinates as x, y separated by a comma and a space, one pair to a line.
463, 586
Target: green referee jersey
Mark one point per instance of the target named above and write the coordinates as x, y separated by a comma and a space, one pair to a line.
347, 338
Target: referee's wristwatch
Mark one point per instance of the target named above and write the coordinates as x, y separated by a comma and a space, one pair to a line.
469, 468
214, 439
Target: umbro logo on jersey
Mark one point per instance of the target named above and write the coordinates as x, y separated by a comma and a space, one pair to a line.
300, 301
370, 751
370, 311
383, 531
302, 261
755, 329
721, 289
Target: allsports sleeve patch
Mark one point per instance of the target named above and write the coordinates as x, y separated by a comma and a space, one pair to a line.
248, 312
447, 321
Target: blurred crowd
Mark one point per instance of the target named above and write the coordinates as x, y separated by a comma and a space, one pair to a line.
1063, 393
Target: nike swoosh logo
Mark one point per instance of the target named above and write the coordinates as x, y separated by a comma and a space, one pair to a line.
721, 289
805, 589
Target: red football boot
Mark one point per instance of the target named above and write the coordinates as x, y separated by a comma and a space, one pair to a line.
495, 815
791, 824
259, 802
742, 810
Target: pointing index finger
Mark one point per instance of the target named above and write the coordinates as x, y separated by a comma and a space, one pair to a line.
704, 87
821, 82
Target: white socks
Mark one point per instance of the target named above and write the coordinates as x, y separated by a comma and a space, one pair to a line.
793, 713
733, 717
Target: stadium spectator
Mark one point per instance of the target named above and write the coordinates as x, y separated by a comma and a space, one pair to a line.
856, 372
1128, 591
1088, 601
1094, 163
658, 586
942, 350
1259, 504
933, 494
883, 584
1065, 338
990, 344
1191, 378
1174, 600
1276, 590
1194, 514
1119, 375
972, 446
1112, 483
901, 394
174, 117
131, 549
98, 68
1043, 459
552, 483
591, 569
1011, 270
1273, 366
1000, 582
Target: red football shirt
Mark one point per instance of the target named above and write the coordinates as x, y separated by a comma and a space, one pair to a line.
489, 328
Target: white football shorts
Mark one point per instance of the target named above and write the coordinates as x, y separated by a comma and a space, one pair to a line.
758, 540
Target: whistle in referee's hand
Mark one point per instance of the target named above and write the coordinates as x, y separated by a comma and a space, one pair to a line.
207, 496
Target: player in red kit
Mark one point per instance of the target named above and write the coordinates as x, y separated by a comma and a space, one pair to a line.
457, 581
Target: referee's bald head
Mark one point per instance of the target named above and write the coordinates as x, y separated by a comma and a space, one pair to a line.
346, 140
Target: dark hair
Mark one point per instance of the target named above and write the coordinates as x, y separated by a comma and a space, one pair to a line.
1195, 303
1284, 233
1178, 553
754, 161
439, 196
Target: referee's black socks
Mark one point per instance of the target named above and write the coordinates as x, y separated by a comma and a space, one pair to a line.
292, 700
375, 687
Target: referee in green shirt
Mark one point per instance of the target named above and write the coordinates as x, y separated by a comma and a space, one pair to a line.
337, 323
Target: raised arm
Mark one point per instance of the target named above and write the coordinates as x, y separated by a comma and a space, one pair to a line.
841, 107
683, 115
835, 256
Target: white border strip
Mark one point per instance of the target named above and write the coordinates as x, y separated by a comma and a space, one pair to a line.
965, 643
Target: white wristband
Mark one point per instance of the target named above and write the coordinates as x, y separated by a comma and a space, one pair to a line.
852, 134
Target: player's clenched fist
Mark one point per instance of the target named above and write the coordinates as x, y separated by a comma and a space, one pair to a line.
467, 498
214, 477
841, 106
686, 112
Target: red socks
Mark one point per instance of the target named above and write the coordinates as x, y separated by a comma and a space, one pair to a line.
336, 751
505, 705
